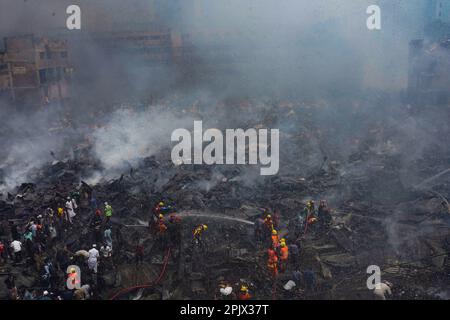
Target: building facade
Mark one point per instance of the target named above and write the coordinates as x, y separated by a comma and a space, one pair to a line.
38, 70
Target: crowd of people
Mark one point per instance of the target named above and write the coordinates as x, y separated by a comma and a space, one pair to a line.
66, 274
40, 245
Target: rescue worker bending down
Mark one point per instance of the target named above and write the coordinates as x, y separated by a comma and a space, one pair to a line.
198, 234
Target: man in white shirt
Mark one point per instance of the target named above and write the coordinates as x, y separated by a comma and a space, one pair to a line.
383, 290
71, 205
17, 250
93, 258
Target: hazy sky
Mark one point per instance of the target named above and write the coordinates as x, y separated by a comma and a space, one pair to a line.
285, 24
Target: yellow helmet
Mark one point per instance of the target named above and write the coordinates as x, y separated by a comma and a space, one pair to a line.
161, 203
244, 288
274, 232
205, 227
269, 216
283, 244
161, 216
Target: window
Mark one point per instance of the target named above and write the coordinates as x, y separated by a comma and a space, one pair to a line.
64, 54
51, 74
43, 76
59, 73
42, 55
49, 55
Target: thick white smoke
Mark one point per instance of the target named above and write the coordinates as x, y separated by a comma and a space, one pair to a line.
132, 135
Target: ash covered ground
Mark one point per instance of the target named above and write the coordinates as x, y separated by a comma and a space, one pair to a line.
379, 165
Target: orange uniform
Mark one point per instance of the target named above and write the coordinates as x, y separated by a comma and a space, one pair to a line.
272, 262
161, 226
284, 254
244, 296
275, 241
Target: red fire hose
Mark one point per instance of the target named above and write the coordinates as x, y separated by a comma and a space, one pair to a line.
155, 282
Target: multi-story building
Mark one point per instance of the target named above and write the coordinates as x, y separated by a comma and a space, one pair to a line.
154, 46
5, 78
38, 69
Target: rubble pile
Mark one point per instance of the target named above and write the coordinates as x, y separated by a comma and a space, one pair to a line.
374, 219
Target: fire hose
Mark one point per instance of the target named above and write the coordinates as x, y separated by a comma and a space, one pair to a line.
149, 285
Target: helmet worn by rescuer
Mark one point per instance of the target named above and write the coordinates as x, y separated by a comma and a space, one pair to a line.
274, 232
205, 227
161, 203
244, 289
161, 216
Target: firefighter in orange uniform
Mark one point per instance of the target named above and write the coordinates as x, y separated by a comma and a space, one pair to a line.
272, 262
244, 293
284, 254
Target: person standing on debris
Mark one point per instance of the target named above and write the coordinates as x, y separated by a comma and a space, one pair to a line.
284, 254
10, 283
2, 253
93, 203
96, 225
269, 222
310, 214
73, 279
93, 259
272, 262
60, 216
71, 205
383, 289
276, 219
198, 234
259, 230
275, 239
33, 228
16, 246
53, 234
108, 236
161, 225
48, 272
106, 255
108, 211
29, 245
174, 229
324, 213
14, 232
225, 291
83, 293
244, 294
161, 207
49, 215
309, 209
